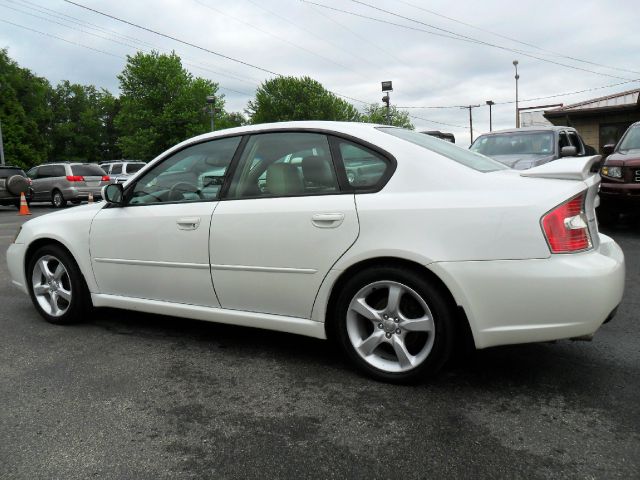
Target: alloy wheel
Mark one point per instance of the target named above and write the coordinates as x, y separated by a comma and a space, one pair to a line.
51, 285
390, 326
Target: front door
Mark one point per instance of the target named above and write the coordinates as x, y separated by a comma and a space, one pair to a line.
282, 225
157, 246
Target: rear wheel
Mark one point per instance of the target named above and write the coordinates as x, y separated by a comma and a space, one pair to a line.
57, 199
56, 286
394, 324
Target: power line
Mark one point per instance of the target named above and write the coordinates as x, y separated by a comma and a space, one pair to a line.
505, 37
175, 39
98, 50
452, 35
137, 47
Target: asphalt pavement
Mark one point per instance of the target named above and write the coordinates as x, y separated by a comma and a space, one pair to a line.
137, 396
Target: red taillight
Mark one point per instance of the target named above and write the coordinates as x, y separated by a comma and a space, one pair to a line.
105, 178
566, 227
75, 178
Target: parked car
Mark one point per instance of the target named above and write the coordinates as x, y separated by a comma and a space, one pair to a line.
620, 187
13, 182
523, 148
121, 170
396, 270
65, 182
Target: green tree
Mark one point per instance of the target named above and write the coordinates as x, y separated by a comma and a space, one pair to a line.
292, 98
378, 114
161, 104
24, 113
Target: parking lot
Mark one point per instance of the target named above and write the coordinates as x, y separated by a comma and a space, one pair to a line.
130, 395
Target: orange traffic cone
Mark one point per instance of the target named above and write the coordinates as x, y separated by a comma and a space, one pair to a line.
90, 199
24, 208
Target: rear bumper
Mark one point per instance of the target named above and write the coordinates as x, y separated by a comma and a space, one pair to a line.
522, 301
82, 193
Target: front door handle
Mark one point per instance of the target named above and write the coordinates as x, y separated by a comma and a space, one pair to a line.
188, 223
327, 220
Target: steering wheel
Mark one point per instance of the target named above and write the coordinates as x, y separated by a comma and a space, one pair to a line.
176, 194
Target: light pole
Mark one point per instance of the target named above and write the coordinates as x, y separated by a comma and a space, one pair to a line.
471, 107
1, 144
490, 103
515, 64
386, 88
211, 101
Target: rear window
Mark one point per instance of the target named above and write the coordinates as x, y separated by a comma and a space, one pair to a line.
453, 152
10, 172
87, 170
134, 167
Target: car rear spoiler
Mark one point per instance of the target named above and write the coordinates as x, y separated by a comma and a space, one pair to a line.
566, 168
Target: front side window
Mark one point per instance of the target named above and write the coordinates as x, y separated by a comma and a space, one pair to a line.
284, 164
575, 141
193, 174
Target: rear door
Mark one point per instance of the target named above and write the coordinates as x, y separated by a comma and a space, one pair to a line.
282, 225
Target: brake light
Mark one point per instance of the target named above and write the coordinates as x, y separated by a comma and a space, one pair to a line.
75, 178
105, 178
566, 227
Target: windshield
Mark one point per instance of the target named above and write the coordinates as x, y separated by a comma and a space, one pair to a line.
631, 140
533, 143
446, 149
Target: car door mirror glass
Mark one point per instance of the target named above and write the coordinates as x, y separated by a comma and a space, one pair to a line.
608, 148
568, 152
112, 194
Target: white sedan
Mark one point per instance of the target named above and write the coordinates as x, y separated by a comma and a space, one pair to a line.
393, 243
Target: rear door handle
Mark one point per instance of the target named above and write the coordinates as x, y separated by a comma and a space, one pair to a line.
327, 220
188, 223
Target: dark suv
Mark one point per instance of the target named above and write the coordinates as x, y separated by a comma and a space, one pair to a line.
620, 172
13, 182
528, 147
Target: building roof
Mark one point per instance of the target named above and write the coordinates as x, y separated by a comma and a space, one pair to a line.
629, 100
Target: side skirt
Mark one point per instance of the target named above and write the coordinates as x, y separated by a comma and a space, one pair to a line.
280, 323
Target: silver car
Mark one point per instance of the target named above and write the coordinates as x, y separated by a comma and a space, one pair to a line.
65, 182
121, 170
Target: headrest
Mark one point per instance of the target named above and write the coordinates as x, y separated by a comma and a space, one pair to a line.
284, 179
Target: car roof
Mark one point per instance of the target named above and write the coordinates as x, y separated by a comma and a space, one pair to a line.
550, 128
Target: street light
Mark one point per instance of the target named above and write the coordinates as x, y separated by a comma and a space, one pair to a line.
211, 101
515, 64
490, 103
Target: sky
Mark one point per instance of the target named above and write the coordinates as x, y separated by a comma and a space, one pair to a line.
437, 53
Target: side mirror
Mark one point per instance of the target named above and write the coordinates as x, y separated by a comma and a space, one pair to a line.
568, 152
113, 194
608, 148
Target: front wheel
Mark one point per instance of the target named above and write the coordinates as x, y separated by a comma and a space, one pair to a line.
56, 286
394, 324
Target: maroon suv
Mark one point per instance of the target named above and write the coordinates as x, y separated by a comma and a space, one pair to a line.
620, 187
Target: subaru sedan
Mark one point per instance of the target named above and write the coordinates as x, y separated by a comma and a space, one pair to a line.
394, 244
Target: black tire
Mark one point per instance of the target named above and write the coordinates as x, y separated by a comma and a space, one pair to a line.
57, 199
441, 312
80, 303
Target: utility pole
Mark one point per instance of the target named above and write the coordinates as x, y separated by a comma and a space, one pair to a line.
211, 101
471, 107
490, 103
387, 87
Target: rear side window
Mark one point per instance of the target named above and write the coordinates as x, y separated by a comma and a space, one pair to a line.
117, 168
87, 170
364, 167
